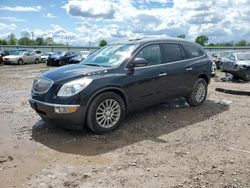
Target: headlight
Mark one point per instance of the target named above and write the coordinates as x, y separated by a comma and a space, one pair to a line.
73, 87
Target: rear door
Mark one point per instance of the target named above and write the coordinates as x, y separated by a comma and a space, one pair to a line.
195, 64
174, 66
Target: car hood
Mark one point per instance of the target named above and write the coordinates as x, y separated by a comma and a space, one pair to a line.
73, 71
77, 58
244, 62
56, 56
12, 56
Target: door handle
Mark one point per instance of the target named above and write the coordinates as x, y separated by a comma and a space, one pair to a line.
189, 69
162, 74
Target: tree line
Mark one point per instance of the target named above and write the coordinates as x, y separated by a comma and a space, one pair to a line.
26, 39
203, 41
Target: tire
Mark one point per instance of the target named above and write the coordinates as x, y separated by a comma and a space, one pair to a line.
62, 63
36, 61
99, 118
48, 63
199, 93
235, 76
236, 68
20, 62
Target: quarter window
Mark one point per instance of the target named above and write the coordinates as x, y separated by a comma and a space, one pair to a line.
192, 50
172, 52
151, 53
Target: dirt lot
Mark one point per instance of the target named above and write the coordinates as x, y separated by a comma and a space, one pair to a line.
170, 145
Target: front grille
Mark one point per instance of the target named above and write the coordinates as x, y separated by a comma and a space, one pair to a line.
41, 85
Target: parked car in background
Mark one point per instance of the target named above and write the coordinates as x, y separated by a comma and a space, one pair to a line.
119, 78
6, 52
60, 58
84, 54
38, 52
45, 56
79, 58
1, 59
238, 64
75, 60
21, 57
221, 56
214, 67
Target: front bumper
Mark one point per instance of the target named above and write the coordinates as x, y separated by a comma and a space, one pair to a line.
10, 61
53, 61
47, 111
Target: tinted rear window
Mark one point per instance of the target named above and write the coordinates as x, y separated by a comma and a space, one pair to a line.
172, 52
192, 50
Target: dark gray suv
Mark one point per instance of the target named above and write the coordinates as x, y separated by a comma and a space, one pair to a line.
119, 78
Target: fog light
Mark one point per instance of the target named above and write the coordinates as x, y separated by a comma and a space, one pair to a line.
65, 109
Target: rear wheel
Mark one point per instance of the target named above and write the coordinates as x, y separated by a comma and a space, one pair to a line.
199, 93
105, 112
36, 61
20, 62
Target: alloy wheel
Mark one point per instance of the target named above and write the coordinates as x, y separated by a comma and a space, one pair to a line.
108, 113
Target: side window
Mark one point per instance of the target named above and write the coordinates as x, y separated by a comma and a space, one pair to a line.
192, 50
172, 52
151, 53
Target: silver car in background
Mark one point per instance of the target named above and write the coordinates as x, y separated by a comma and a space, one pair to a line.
237, 64
22, 57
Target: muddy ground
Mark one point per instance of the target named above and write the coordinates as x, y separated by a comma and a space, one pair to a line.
169, 145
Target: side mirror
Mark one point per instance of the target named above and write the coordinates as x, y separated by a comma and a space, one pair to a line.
137, 62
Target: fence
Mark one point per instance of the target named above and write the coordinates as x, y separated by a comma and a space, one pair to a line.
49, 48
91, 48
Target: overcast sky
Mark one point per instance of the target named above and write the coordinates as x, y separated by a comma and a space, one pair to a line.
82, 21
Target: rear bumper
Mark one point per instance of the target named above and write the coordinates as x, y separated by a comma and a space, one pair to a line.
72, 120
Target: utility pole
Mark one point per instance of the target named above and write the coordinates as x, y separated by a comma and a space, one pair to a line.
32, 35
67, 44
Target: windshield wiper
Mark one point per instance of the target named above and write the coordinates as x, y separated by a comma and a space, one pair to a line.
91, 64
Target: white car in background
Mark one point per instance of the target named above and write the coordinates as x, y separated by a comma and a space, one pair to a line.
22, 57
45, 56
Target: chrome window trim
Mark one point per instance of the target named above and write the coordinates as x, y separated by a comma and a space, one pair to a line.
54, 105
173, 62
52, 82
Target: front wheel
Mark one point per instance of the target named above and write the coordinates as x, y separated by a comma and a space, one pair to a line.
105, 112
20, 62
36, 61
199, 93
62, 63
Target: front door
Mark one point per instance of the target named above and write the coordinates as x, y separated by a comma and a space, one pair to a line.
145, 82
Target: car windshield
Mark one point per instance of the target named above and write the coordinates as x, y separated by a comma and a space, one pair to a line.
59, 53
16, 52
243, 56
109, 56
